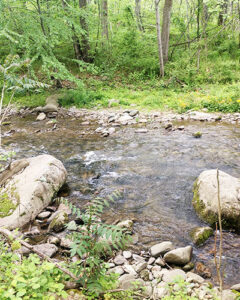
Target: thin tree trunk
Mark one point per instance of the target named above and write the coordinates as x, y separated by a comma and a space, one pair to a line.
160, 53
85, 36
40, 17
166, 28
138, 14
222, 13
104, 19
198, 18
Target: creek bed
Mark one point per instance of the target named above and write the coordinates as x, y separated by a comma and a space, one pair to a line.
154, 170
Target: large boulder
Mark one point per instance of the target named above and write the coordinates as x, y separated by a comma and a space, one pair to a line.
205, 199
27, 187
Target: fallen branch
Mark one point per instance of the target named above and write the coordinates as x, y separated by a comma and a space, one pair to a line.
10, 236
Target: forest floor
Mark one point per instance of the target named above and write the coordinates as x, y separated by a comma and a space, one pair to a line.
146, 96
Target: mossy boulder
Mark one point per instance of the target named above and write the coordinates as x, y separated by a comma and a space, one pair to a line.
200, 235
58, 222
28, 186
205, 198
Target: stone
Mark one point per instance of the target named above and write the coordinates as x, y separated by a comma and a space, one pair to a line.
41, 117
181, 127
124, 119
228, 295
129, 282
72, 226
53, 240
160, 249
156, 271
141, 130
129, 269
119, 260
127, 224
30, 189
192, 277
180, 256
200, 235
111, 130
43, 215
144, 274
138, 258
127, 254
47, 249
197, 135
173, 275
159, 261
236, 287
140, 266
117, 270
160, 292
59, 221
205, 199
188, 267
168, 126
65, 243
133, 113
151, 260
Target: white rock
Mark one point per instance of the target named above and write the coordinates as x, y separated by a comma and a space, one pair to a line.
117, 270
161, 248
32, 189
236, 287
205, 198
140, 266
127, 224
151, 260
41, 116
127, 254
192, 277
159, 261
129, 269
180, 256
44, 215
172, 275
119, 260
47, 249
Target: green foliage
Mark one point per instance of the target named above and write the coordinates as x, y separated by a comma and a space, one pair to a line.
28, 278
80, 98
93, 242
178, 290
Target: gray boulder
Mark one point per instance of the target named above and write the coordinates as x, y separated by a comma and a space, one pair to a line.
205, 199
160, 249
170, 276
28, 189
200, 235
180, 256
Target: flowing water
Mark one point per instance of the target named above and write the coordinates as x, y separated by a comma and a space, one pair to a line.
155, 171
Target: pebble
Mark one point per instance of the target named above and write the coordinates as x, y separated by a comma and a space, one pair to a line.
44, 215
127, 254
119, 260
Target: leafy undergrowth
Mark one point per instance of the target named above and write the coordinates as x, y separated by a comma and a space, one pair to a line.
151, 96
28, 278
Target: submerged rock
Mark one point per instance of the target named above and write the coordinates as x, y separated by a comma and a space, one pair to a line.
200, 235
28, 191
205, 199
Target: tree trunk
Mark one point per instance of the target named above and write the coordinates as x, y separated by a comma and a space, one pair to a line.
104, 19
222, 13
198, 18
138, 14
160, 53
166, 28
40, 17
85, 36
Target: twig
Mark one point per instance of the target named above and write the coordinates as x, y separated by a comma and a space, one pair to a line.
221, 235
8, 234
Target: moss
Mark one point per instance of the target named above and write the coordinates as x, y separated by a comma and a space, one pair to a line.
200, 235
229, 221
7, 206
200, 208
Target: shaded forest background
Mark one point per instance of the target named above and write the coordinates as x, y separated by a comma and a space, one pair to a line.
182, 44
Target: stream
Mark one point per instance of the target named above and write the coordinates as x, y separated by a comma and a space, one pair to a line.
154, 170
